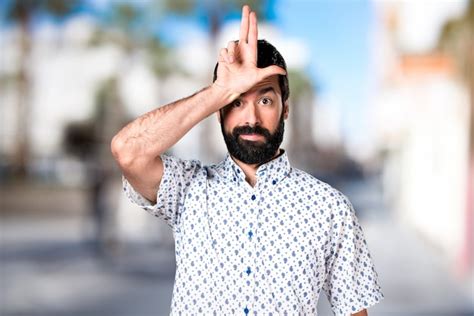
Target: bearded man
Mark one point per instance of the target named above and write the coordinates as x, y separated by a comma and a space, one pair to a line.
253, 235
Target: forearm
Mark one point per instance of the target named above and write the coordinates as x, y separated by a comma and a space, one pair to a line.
153, 133
361, 313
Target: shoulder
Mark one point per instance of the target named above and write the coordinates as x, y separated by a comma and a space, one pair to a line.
326, 193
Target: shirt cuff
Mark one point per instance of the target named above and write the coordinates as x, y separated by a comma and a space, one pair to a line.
157, 209
135, 197
359, 304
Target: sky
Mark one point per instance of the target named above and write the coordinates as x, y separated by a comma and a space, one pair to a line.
334, 32
341, 42
337, 35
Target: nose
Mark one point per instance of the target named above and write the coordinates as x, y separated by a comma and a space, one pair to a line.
252, 115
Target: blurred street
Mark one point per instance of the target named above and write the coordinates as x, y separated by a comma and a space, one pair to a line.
48, 266
381, 107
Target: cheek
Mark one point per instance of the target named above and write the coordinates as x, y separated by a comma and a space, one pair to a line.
228, 122
273, 119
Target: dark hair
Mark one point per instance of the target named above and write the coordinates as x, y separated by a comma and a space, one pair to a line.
268, 55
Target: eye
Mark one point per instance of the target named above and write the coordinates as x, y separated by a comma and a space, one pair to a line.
236, 103
266, 101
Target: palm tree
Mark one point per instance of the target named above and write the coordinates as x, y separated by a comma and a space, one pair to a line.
22, 13
130, 27
124, 25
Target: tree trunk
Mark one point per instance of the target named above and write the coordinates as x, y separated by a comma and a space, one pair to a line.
22, 152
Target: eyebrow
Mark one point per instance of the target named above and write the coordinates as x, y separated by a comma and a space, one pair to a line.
265, 90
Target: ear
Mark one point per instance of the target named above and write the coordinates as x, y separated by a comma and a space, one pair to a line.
286, 110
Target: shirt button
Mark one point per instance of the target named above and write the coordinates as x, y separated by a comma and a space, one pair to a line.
246, 310
253, 197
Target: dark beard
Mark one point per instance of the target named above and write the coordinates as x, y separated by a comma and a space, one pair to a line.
254, 152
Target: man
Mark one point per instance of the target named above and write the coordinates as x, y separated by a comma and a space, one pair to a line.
252, 234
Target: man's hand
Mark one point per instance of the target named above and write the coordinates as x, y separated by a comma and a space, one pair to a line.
237, 71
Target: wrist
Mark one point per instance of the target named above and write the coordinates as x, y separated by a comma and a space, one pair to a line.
224, 93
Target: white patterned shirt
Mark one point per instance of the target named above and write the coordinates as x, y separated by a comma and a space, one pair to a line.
263, 250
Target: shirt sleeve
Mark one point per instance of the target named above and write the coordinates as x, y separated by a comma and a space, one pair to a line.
351, 280
176, 179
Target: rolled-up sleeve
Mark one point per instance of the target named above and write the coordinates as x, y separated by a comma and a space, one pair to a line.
351, 280
176, 179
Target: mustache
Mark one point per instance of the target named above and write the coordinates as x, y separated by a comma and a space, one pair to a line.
247, 129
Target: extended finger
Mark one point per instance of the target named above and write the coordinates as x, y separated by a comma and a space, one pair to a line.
253, 29
244, 24
270, 71
253, 33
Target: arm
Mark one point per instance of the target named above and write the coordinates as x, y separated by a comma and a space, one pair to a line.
138, 146
361, 313
351, 281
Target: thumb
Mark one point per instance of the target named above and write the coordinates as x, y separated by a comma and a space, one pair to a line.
270, 71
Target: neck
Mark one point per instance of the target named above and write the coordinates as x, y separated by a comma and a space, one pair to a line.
250, 170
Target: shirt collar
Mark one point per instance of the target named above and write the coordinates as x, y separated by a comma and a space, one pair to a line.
272, 171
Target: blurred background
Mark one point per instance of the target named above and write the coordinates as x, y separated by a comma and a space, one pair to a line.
381, 107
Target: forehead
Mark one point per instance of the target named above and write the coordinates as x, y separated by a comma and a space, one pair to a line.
271, 81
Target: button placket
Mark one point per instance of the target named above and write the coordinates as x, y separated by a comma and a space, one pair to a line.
250, 248
253, 215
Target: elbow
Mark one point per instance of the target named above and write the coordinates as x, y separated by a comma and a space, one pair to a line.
128, 157
132, 156
120, 152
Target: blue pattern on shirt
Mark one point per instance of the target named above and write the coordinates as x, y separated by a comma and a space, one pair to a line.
267, 249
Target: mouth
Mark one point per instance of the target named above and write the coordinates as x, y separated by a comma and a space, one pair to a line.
252, 137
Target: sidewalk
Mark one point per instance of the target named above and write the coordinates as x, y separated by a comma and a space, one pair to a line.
414, 277
66, 277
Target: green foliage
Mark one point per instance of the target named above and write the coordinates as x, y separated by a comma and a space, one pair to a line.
23, 10
456, 40
180, 6
219, 7
300, 83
